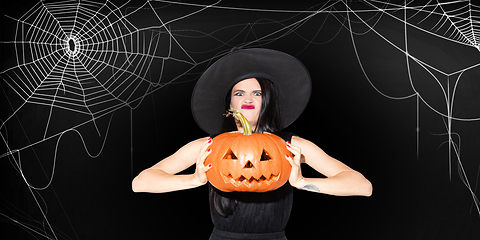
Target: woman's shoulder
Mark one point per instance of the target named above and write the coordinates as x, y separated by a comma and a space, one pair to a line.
302, 142
203, 139
182, 158
196, 143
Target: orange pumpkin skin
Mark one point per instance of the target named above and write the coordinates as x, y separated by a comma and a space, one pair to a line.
257, 164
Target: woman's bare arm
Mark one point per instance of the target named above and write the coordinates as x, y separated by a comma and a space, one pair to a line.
161, 177
340, 179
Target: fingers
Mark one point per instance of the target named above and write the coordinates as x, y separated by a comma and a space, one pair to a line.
206, 168
203, 156
200, 173
204, 149
207, 144
295, 150
290, 160
204, 152
203, 169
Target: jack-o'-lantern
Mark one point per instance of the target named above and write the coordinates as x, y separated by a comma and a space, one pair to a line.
248, 162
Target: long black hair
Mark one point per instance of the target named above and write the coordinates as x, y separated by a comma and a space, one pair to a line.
268, 121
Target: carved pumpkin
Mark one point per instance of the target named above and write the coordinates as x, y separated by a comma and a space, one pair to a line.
248, 162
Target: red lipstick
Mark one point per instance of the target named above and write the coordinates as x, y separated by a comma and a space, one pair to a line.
248, 107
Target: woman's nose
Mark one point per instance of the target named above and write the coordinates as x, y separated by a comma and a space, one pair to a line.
248, 99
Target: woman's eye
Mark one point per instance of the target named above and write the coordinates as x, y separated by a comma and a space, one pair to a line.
238, 94
258, 94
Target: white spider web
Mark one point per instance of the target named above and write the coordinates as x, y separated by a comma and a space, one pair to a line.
454, 21
82, 58
85, 57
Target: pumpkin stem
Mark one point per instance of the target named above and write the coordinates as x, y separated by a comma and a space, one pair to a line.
247, 128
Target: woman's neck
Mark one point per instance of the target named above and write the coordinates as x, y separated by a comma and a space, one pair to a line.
240, 129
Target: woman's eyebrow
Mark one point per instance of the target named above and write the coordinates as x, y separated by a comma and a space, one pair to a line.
239, 90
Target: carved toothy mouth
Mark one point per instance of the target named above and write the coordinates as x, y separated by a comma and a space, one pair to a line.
250, 181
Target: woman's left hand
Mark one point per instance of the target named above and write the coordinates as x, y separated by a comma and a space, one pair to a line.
296, 173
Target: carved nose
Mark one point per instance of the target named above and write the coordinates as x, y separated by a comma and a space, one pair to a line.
248, 165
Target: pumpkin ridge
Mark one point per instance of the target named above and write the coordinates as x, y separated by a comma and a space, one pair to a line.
281, 148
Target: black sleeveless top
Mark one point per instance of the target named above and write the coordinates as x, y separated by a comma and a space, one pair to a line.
251, 215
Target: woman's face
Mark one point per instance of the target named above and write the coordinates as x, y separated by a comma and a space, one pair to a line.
247, 98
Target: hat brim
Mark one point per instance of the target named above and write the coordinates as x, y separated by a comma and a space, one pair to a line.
289, 76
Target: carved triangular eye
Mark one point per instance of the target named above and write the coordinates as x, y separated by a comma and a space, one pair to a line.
230, 155
265, 156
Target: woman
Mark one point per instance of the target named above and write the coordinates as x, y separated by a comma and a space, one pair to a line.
271, 89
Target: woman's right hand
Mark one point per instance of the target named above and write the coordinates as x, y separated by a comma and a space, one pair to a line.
201, 169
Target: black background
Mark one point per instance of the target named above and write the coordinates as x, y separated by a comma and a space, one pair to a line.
418, 190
